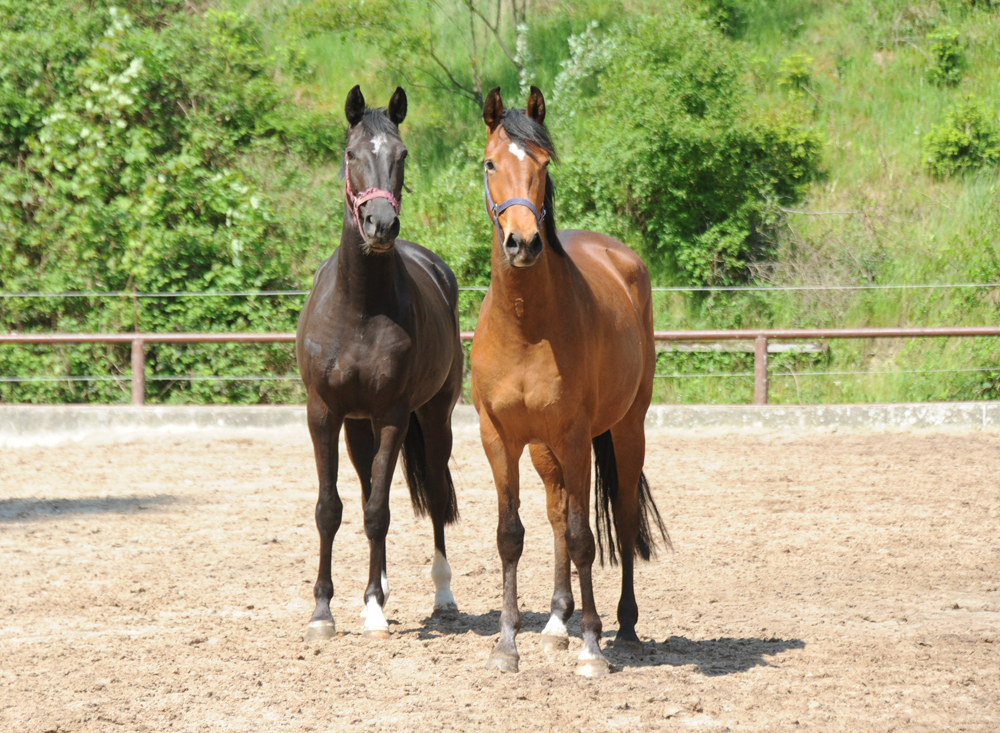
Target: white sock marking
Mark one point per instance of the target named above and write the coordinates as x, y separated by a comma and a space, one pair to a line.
441, 575
385, 596
555, 627
518, 151
374, 618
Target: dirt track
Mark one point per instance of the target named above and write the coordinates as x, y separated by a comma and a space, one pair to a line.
821, 582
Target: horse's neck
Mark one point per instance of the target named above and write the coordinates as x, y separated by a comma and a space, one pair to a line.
531, 301
369, 283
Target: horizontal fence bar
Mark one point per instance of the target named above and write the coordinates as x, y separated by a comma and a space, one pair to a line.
760, 337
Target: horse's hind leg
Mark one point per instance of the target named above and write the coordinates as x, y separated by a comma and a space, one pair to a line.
435, 421
324, 429
555, 636
361, 448
629, 439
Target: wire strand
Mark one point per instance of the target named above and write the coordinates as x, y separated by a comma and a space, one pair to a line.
484, 288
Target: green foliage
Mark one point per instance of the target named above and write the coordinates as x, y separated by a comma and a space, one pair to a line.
794, 73
947, 59
969, 139
678, 157
145, 154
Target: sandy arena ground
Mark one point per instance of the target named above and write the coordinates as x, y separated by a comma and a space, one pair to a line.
823, 582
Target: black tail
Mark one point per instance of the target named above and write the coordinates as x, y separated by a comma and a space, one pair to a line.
605, 498
415, 467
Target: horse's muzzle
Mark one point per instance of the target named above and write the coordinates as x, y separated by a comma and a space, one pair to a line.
522, 254
379, 225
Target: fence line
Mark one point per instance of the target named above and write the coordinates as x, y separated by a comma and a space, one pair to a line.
483, 289
760, 338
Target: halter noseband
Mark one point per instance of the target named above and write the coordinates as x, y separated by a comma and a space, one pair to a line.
497, 209
356, 201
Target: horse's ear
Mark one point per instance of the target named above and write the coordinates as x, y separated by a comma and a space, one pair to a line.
397, 106
354, 108
493, 109
536, 105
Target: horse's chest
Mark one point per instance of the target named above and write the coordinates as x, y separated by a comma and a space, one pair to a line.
374, 363
533, 385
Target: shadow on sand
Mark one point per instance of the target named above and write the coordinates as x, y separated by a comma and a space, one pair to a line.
712, 657
32, 509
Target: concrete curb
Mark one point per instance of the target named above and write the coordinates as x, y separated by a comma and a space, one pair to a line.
24, 425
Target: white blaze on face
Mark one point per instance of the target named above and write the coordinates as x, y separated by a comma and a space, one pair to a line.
518, 151
441, 575
377, 142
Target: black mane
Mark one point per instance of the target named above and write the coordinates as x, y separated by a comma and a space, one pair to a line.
524, 131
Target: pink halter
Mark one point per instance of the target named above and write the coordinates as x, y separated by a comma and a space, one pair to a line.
356, 201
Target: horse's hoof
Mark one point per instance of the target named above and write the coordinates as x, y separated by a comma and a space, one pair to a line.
628, 647
593, 667
375, 633
503, 662
552, 643
446, 611
323, 629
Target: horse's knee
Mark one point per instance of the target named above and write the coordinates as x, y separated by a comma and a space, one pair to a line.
329, 513
376, 521
510, 538
580, 542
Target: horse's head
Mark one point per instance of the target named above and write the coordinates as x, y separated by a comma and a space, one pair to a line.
373, 168
518, 187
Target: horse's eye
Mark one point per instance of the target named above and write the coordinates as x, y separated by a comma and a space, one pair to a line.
350, 155
403, 156
488, 165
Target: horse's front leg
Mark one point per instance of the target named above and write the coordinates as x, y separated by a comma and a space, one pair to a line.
324, 429
510, 541
574, 457
389, 436
555, 636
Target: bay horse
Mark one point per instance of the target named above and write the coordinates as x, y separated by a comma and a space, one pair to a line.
562, 360
379, 352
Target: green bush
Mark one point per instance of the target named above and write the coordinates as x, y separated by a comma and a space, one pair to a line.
947, 59
676, 156
142, 154
969, 139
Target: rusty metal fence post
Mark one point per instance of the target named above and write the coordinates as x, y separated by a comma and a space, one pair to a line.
138, 372
760, 370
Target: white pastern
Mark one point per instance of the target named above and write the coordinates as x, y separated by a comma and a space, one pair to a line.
441, 575
518, 151
385, 596
555, 627
377, 142
374, 618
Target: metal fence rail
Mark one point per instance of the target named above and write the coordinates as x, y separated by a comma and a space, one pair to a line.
760, 337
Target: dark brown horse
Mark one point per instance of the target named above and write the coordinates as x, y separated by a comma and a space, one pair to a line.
563, 358
379, 353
